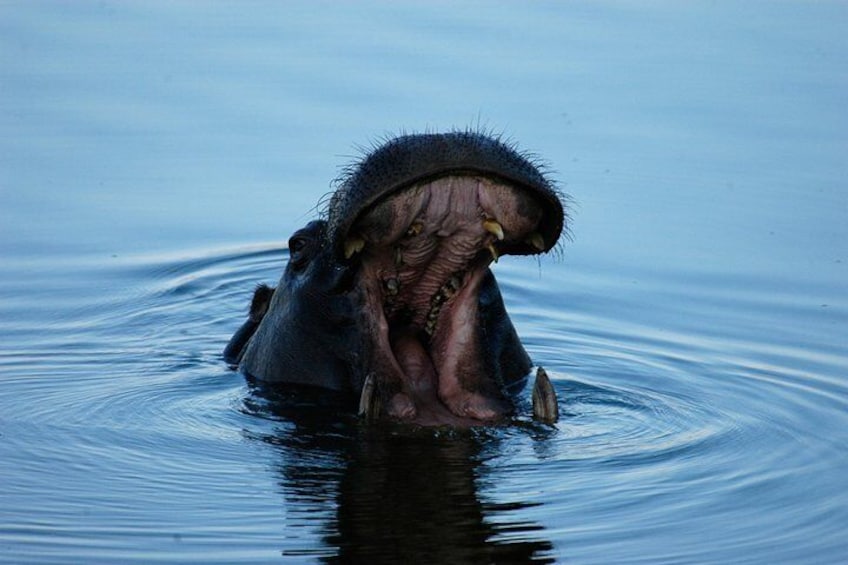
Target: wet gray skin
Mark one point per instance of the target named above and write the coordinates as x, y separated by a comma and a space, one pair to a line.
390, 297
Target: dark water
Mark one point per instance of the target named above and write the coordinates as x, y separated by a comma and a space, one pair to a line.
154, 158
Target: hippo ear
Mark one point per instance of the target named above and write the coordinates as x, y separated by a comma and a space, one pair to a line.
260, 302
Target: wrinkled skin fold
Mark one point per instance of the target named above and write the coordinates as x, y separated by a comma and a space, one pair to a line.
390, 295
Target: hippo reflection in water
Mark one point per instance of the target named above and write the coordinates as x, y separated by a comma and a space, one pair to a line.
389, 296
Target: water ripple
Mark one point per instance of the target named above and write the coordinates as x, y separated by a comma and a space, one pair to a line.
660, 427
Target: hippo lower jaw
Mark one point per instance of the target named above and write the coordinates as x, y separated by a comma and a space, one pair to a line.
423, 255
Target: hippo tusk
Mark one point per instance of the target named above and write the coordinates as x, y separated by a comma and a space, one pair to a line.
369, 400
544, 399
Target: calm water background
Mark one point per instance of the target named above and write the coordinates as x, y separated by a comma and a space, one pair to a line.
154, 159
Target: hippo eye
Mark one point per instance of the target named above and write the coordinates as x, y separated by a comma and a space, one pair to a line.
297, 250
296, 245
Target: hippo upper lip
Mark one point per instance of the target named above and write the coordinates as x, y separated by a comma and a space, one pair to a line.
419, 159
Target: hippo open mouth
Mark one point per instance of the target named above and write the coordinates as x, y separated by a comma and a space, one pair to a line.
392, 296
424, 252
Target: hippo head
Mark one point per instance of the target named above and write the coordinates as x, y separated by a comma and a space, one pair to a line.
390, 295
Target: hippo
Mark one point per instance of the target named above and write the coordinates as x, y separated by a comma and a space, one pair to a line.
389, 298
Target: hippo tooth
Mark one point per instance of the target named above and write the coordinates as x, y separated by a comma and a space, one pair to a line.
536, 240
398, 257
493, 227
493, 251
393, 286
415, 229
353, 245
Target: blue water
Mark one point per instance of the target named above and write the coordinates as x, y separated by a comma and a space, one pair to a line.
154, 158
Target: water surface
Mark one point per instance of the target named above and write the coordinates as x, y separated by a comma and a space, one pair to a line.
154, 159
